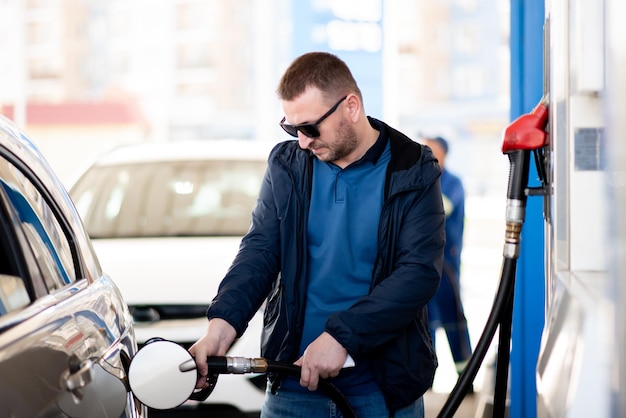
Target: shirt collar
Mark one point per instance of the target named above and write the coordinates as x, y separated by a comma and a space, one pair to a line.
376, 150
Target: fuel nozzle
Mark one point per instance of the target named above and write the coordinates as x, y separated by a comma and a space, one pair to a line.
524, 135
237, 365
527, 132
229, 365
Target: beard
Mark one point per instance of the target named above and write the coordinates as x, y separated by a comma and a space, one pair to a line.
345, 143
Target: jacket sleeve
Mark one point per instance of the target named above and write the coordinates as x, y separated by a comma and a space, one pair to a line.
411, 271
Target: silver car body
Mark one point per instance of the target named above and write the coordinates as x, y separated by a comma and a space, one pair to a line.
66, 334
169, 255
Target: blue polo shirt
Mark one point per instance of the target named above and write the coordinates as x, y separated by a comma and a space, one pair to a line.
342, 238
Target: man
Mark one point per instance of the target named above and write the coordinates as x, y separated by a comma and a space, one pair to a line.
346, 248
445, 310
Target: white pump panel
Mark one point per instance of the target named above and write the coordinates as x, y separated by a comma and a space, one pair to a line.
574, 366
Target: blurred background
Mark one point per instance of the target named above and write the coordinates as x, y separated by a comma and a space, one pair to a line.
91, 74
84, 76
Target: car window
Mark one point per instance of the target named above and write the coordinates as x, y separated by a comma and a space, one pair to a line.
43, 232
13, 293
192, 198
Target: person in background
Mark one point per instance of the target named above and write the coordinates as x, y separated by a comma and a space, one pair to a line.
346, 249
445, 309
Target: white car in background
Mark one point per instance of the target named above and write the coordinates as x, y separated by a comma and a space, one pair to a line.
166, 220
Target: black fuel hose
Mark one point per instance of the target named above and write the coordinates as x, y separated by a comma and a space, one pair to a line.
228, 365
502, 309
500, 315
331, 390
500, 305
503, 359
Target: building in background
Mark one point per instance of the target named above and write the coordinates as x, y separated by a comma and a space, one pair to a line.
351, 29
452, 79
191, 65
208, 69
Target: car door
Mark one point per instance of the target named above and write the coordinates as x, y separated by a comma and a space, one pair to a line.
65, 333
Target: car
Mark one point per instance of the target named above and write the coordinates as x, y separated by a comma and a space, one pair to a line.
66, 333
166, 219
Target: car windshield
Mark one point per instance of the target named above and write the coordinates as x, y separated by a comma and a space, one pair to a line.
165, 199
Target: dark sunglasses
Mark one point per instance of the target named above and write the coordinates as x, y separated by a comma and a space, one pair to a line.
309, 129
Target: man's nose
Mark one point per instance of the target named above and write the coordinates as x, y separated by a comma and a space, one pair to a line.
304, 141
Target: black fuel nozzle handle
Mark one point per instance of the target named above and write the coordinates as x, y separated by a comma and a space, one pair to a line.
202, 394
519, 162
224, 365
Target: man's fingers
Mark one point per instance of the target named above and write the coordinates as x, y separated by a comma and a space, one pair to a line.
200, 359
305, 374
313, 381
201, 383
309, 378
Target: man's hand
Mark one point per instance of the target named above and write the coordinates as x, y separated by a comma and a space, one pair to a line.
216, 342
323, 358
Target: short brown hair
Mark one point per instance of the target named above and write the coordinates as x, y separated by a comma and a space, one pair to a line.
321, 70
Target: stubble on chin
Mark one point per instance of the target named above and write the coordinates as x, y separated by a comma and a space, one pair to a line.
346, 144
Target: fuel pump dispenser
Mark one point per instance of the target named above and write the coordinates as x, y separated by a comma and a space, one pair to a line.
575, 374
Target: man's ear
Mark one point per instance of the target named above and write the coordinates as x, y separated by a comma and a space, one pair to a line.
353, 106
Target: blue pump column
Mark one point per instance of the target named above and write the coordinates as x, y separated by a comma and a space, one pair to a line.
527, 20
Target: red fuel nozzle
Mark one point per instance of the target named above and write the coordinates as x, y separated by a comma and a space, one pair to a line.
527, 131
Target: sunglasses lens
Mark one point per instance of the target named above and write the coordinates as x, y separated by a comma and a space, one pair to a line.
309, 130
290, 129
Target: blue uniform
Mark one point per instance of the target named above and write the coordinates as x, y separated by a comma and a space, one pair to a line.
445, 310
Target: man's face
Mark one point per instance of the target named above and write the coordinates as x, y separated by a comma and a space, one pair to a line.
440, 154
337, 139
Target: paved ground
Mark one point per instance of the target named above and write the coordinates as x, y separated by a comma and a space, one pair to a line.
434, 402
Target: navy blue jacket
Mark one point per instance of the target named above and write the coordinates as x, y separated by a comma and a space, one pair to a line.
389, 326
